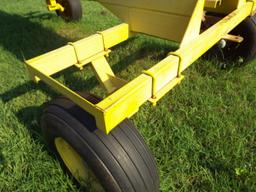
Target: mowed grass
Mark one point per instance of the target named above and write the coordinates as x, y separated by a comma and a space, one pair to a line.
202, 133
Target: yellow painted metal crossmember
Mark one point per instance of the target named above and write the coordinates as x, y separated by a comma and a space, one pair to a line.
125, 99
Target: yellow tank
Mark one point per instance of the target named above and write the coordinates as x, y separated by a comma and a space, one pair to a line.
167, 19
150, 16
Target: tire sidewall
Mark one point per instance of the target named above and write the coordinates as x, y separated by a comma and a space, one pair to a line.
121, 160
74, 10
247, 29
53, 127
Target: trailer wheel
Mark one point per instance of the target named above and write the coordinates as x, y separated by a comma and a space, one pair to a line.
120, 161
245, 51
238, 53
72, 10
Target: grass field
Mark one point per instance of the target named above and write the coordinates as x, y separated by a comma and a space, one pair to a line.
202, 134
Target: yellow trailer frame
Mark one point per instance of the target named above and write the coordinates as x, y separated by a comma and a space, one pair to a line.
125, 98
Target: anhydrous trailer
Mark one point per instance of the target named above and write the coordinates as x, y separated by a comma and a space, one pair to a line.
93, 136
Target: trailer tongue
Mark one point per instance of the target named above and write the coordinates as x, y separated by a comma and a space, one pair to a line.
83, 128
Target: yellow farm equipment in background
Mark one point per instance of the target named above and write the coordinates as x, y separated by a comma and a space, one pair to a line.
93, 136
69, 10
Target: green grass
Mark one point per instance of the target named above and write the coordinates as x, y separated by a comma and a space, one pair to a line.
202, 133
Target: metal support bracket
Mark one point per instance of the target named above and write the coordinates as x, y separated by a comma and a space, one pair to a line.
212, 3
155, 82
180, 62
253, 7
52, 5
81, 63
233, 38
157, 95
106, 76
165, 90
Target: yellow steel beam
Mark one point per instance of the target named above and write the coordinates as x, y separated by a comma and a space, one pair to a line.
163, 73
54, 61
76, 98
115, 35
88, 50
154, 83
106, 76
126, 101
194, 25
81, 52
210, 37
166, 71
88, 47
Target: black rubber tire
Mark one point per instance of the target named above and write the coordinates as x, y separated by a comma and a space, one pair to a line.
239, 53
121, 160
247, 49
73, 10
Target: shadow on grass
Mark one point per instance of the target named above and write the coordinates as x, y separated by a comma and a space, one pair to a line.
2, 161
25, 38
30, 118
24, 88
39, 15
217, 60
80, 84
